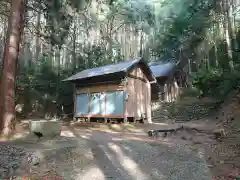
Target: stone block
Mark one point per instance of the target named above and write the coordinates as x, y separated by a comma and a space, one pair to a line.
47, 128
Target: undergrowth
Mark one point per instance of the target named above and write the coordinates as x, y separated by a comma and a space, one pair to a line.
217, 83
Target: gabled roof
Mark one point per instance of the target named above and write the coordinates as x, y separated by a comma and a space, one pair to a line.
110, 69
161, 69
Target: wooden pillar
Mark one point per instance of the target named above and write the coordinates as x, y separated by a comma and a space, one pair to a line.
105, 120
125, 100
125, 120
74, 102
88, 119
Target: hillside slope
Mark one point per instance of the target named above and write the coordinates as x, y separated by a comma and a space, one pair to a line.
209, 116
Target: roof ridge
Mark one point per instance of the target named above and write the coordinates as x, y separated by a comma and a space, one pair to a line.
107, 69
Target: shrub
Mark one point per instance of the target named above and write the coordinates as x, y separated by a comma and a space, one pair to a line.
215, 82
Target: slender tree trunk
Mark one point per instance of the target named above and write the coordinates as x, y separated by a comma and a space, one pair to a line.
15, 30
58, 56
74, 57
5, 41
232, 27
228, 33
37, 38
64, 61
141, 43
216, 36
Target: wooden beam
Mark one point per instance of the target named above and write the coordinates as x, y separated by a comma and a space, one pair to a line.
104, 88
99, 116
139, 78
98, 83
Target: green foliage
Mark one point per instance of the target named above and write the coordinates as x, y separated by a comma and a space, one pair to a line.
172, 26
42, 83
190, 92
58, 22
40, 86
139, 13
216, 82
180, 24
206, 80
59, 16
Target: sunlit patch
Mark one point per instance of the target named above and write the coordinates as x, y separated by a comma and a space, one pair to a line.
128, 164
117, 139
200, 154
89, 155
67, 134
158, 174
10, 77
48, 143
85, 137
127, 148
19, 108
136, 138
20, 135
91, 173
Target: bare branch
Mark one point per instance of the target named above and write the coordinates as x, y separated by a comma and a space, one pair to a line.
33, 9
115, 30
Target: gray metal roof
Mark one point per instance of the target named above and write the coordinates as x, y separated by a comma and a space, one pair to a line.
104, 70
162, 68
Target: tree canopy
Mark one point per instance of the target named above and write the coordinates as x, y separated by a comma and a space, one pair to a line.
62, 37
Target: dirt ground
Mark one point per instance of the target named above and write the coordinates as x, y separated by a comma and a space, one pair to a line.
112, 154
108, 144
222, 155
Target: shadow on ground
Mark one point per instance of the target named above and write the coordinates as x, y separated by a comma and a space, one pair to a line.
91, 154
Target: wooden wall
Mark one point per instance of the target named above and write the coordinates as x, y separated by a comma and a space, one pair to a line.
98, 89
139, 94
139, 91
169, 90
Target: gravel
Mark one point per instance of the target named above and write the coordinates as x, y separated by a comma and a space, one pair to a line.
12, 158
102, 158
163, 162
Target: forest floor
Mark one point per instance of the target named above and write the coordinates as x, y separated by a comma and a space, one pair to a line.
105, 152
102, 152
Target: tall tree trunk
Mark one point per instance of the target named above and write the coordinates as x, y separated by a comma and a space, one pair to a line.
37, 38
74, 57
58, 59
216, 42
141, 37
3, 40
232, 26
228, 33
15, 30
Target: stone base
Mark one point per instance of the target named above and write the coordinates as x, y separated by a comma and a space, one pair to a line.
47, 128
